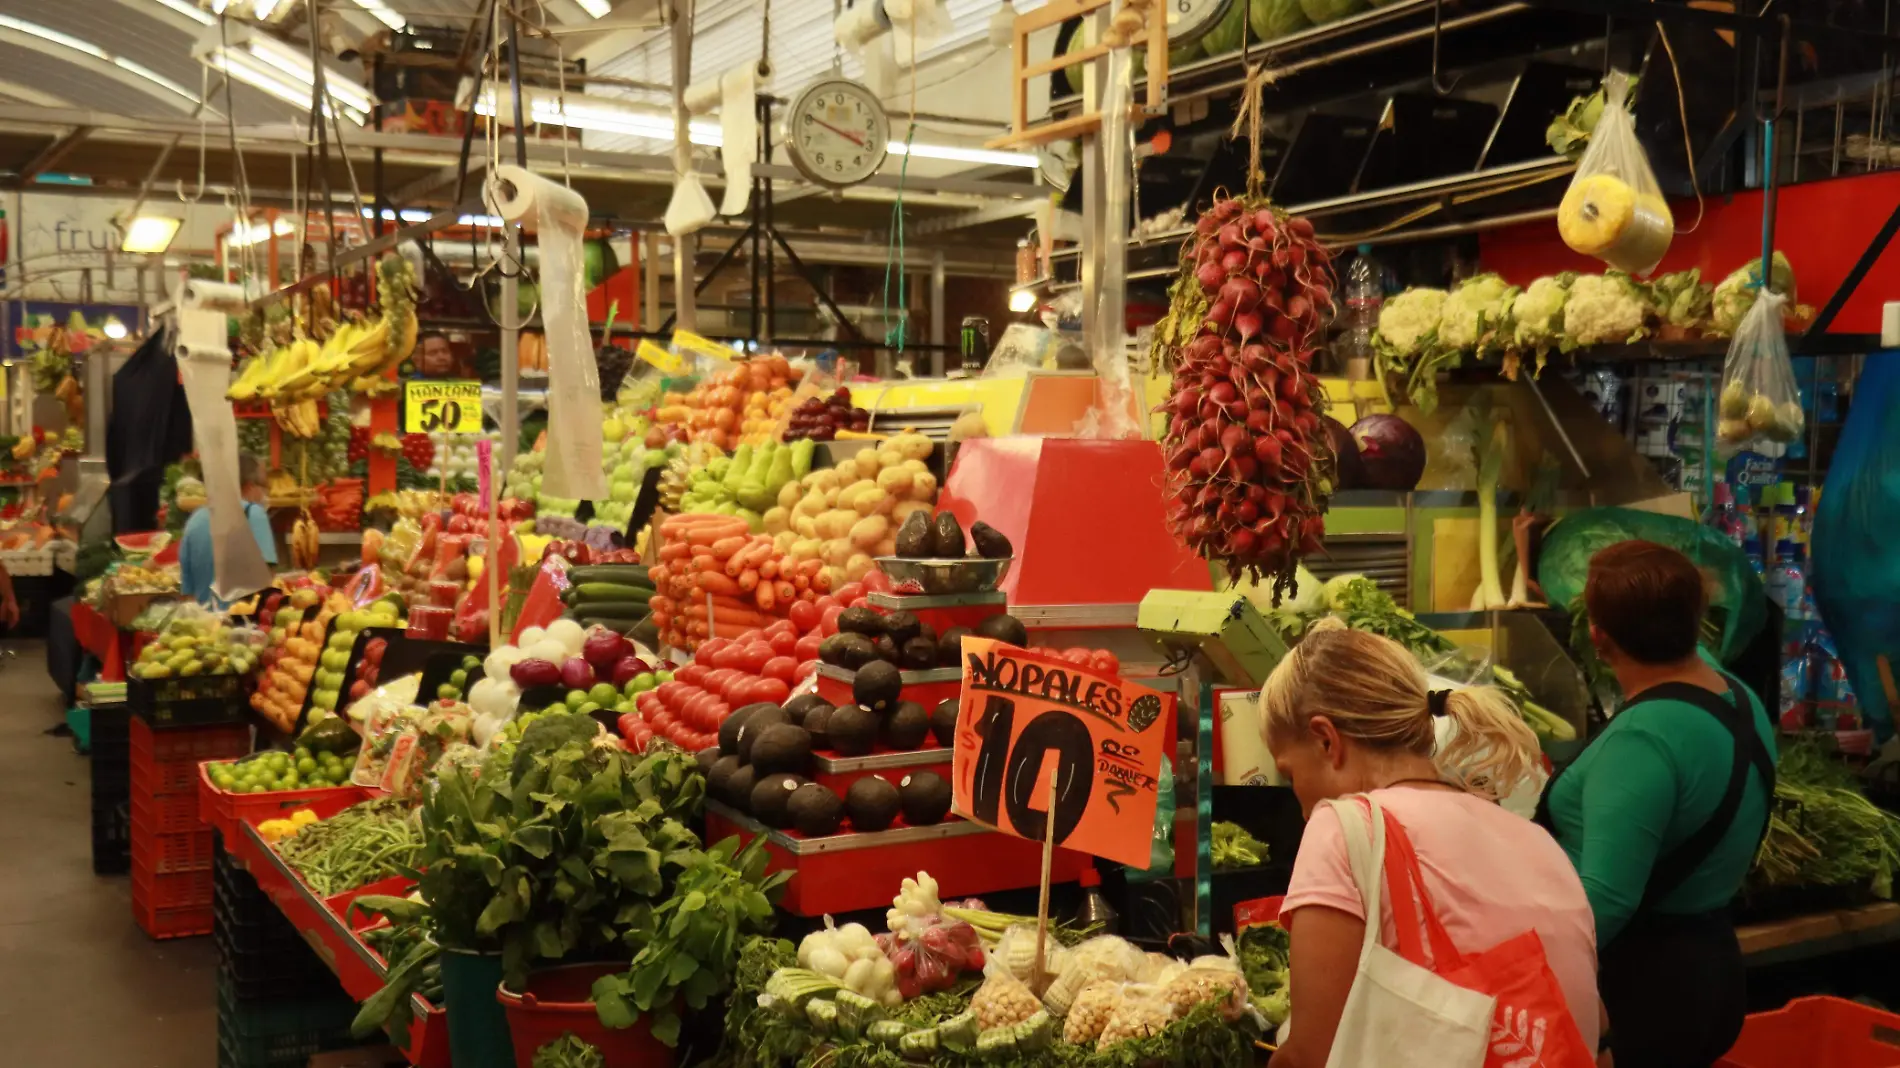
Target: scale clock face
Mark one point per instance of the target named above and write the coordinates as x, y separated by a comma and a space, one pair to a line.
1189, 19
837, 133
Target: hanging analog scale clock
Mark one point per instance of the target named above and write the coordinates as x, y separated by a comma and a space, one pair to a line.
837, 133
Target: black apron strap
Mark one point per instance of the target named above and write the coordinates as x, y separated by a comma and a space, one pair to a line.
1674, 867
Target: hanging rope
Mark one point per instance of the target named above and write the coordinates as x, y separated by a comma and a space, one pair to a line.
1259, 76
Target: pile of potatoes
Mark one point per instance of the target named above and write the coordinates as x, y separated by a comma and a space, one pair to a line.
849, 514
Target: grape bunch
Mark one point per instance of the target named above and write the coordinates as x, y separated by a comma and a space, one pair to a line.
614, 363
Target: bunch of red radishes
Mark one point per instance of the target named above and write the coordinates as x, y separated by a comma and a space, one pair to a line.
1248, 462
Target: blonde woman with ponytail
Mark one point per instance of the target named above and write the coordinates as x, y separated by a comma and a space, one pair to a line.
1349, 713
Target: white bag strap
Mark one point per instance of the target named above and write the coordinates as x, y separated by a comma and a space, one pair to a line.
1365, 849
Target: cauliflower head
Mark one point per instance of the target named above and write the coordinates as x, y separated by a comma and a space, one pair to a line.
1408, 323
1537, 313
1735, 294
1475, 315
1604, 309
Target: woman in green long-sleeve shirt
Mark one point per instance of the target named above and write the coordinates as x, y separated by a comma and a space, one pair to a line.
1663, 812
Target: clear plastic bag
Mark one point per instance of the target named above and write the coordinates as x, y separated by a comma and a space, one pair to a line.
1614, 210
1215, 977
1760, 407
1090, 1012
1015, 955
1143, 1011
1003, 1001
1104, 957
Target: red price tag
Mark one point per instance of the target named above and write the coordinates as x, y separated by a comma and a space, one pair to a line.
1024, 716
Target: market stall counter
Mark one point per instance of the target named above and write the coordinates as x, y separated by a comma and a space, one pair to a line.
322, 923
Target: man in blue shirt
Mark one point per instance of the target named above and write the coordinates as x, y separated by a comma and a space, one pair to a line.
196, 567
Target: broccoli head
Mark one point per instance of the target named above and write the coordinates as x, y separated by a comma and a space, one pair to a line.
549, 733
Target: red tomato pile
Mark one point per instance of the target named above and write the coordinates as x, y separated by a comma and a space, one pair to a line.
760, 664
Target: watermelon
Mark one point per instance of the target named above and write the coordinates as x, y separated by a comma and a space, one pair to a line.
1320, 12
1273, 19
1226, 35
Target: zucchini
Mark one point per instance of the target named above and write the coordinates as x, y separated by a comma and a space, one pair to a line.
599, 592
647, 633
632, 573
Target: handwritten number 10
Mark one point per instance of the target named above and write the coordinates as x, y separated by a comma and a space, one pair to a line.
1006, 777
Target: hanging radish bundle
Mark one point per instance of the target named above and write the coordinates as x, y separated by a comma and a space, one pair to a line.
1249, 466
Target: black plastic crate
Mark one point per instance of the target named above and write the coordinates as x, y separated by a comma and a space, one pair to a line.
269, 972
195, 701
284, 1032
111, 835
111, 750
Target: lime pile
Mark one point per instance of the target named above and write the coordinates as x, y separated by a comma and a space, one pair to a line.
262, 773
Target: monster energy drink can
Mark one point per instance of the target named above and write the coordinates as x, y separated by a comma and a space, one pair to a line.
974, 342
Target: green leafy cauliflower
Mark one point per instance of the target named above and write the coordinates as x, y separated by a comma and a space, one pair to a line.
1537, 314
1604, 309
1682, 299
1735, 294
1475, 318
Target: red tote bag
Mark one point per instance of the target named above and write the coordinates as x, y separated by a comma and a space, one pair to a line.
1533, 1027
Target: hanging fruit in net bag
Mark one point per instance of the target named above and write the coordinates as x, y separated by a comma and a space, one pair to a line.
1249, 466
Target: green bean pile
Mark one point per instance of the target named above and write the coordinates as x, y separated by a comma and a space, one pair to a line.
368, 841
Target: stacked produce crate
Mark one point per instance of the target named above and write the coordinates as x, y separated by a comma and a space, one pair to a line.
111, 745
171, 847
278, 1004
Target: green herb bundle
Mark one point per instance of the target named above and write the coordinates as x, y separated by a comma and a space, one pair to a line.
1822, 831
1233, 847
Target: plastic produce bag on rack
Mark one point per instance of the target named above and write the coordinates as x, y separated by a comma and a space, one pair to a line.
1760, 409
1854, 571
1614, 210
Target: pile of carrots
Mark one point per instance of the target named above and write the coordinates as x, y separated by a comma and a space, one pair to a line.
717, 580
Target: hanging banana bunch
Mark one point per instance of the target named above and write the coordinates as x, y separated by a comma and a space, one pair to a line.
304, 541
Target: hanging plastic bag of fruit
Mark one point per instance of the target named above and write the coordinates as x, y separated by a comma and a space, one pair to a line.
1761, 406
1614, 210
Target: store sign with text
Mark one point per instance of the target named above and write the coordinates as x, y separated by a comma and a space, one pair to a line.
449, 407
1025, 718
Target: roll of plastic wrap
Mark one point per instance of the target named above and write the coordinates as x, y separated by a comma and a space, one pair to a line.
204, 365
734, 93
865, 32
559, 216
1604, 216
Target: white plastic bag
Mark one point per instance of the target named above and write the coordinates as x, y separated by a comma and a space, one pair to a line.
1761, 406
1614, 210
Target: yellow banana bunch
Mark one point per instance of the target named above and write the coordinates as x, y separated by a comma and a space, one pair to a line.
303, 543
299, 419
249, 378
294, 376
368, 348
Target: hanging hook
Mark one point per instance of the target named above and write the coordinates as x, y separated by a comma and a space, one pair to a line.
1438, 32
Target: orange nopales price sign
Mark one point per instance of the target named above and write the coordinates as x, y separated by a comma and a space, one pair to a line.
1025, 715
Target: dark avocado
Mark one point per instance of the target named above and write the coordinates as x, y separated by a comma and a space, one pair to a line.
918, 654
925, 798
814, 810
925, 630
739, 789
943, 721
850, 652
799, 707
914, 538
950, 647
721, 773
947, 538
872, 804
851, 730
756, 724
707, 758
781, 748
877, 686
860, 621
816, 717
884, 648
907, 726
729, 727
989, 543
771, 796
902, 626
1004, 628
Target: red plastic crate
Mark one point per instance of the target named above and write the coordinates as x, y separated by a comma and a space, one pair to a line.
167, 854
189, 743
182, 890
165, 814
227, 811
1817, 1033
163, 778
172, 923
